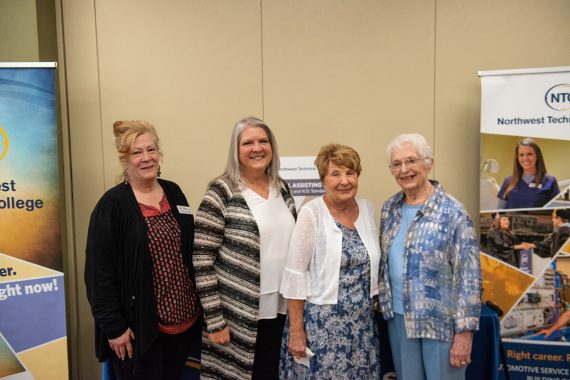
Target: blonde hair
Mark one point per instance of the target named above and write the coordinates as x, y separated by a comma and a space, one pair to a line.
340, 155
127, 131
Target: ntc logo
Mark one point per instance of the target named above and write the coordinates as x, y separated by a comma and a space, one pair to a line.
558, 97
4, 143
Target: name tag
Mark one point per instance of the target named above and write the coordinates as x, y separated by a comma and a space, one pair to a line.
184, 209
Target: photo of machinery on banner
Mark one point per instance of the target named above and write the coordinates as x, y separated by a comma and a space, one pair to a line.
33, 336
525, 216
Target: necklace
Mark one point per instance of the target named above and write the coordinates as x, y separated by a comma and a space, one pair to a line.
260, 187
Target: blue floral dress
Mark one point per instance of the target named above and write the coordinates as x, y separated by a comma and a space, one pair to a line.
343, 337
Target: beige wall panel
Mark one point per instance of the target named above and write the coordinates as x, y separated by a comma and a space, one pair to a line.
191, 68
18, 31
485, 35
47, 35
86, 164
352, 72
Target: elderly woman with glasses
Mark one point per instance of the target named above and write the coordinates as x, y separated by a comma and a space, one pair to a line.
430, 276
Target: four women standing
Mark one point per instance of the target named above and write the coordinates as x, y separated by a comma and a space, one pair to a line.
250, 256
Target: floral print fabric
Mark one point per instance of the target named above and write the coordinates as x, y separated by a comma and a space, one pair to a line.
343, 337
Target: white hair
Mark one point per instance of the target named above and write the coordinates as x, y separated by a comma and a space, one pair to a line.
418, 141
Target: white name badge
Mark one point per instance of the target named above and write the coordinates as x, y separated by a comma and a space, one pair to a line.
184, 209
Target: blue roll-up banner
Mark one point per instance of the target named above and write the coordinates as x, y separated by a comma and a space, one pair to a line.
33, 341
524, 212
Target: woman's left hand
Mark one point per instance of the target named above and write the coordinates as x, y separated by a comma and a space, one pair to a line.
460, 353
122, 345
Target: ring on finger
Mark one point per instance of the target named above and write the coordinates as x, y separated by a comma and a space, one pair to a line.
463, 362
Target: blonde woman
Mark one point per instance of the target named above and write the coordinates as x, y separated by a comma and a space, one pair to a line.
138, 269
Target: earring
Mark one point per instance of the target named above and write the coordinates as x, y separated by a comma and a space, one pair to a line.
158, 172
126, 176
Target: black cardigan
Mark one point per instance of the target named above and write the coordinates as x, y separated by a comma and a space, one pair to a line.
118, 267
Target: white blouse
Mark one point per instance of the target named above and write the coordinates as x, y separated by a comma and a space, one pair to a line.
275, 223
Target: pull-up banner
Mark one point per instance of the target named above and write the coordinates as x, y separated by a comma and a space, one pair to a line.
33, 342
526, 103
525, 216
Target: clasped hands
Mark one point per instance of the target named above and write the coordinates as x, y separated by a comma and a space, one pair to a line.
526, 245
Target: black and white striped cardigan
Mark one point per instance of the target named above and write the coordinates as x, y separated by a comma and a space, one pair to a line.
226, 264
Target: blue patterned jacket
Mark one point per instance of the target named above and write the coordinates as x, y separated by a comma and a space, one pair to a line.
442, 271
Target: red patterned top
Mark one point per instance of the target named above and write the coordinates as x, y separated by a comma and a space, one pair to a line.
176, 302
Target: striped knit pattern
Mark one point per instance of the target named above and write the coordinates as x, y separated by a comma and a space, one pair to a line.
226, 264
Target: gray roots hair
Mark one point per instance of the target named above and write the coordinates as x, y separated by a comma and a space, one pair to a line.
232, 172
415, 139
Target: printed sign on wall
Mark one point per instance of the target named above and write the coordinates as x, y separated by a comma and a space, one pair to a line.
302, 176
33, 342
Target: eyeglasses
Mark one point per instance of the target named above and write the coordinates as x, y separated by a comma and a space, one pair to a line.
410, 162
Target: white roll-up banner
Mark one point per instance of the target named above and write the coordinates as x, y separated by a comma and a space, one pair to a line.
525, 216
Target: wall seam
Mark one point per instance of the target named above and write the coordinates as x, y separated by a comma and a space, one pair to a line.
262, 67
70, 278
434, 84
103, 158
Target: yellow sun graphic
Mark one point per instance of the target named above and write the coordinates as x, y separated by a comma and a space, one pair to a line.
4, 146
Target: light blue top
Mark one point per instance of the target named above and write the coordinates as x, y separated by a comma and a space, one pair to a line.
396, 257
442, 271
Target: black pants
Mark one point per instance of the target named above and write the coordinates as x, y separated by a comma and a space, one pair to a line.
268, 348
165, 359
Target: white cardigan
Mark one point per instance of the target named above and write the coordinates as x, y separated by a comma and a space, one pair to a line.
313, 262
